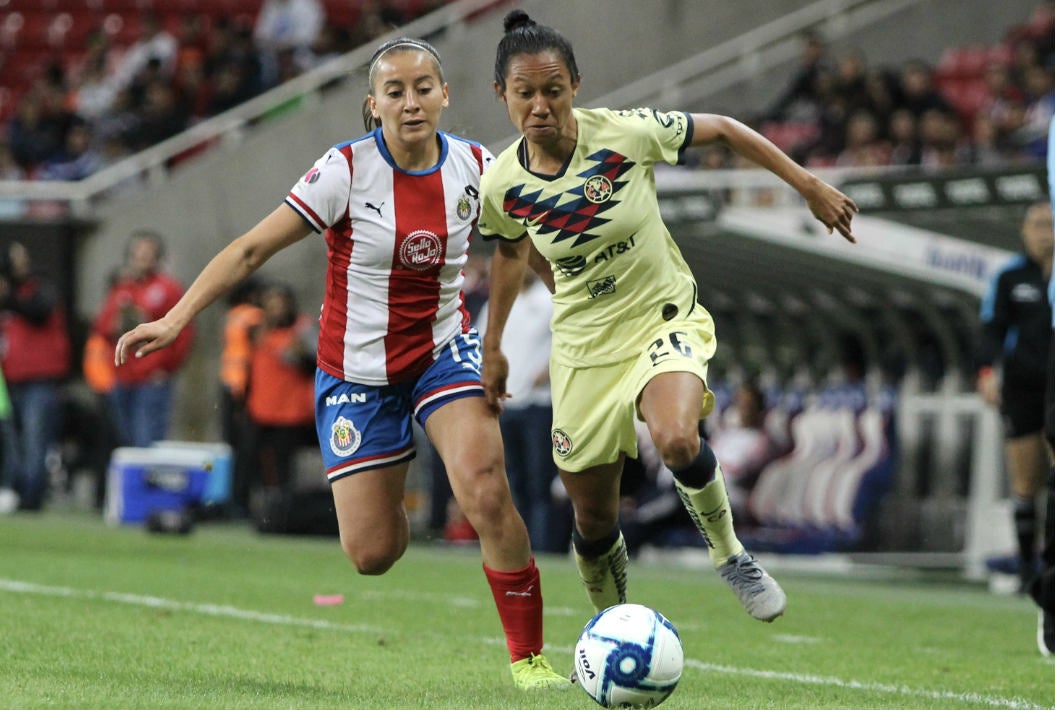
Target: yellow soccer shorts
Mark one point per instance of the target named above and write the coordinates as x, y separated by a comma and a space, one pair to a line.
594, 407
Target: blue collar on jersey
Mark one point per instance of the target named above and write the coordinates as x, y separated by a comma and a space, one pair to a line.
380, 139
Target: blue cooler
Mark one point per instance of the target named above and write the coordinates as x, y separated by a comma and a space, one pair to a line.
141, 481
218, 488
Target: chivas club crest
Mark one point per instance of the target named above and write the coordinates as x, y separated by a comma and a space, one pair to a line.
344, 437
465, 208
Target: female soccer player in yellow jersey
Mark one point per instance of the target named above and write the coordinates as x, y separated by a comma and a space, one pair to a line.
629, 338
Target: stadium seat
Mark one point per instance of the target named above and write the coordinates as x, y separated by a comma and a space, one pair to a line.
774, 501
856, 491
810, 508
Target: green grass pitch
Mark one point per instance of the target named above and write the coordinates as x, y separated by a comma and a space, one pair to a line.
100, 618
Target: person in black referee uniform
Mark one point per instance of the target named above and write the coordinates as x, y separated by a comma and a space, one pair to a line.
1016, 325
1043, 587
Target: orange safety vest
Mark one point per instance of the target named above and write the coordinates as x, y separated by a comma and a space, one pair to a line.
98, 363
280, 393
238, 346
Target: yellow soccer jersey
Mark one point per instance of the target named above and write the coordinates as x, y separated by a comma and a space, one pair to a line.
616, 267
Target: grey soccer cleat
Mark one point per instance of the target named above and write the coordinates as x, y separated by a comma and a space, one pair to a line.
757, 591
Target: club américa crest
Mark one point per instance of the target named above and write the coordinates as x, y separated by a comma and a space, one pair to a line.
597, 189
561, 442
344, 437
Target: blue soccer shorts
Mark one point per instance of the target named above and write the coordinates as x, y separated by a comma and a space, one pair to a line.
361, 427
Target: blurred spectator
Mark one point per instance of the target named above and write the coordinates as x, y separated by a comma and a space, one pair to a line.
244, 315
281, 387
121, 121
1039, 108
743, 446
904, 141
863, 147
93, 95
192, 41
155, 45
35, 133
77, 160
193, 89
142, 394
1000, 93
916, 90
985, 144
98, 440
880, 95
802, 98
1024, 57
942, 143
284, 32
36, 362
232, 66
850, 85
162, 117
288, 24
1041, 31
9, 167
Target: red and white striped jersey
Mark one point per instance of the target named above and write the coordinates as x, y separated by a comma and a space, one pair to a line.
397, 243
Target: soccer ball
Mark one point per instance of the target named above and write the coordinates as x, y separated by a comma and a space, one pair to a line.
629, 656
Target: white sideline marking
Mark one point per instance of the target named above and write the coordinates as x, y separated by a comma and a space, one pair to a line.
12, 585
975, 698
795, 638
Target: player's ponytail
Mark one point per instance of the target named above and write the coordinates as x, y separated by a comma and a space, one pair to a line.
370, 122
516, 19
525, 36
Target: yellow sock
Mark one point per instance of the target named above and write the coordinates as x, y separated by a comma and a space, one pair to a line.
604, 577
710, 510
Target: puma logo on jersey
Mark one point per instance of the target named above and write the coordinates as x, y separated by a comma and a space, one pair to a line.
377, 209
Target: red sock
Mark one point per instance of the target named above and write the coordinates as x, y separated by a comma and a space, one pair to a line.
518, 596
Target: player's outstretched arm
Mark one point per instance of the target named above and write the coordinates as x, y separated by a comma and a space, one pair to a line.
831, 207
508, 265
234, 263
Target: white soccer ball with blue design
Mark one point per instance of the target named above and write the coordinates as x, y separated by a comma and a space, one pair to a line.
629, 656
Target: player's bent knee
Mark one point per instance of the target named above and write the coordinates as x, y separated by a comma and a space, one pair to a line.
373, 561
594, 523
677, 449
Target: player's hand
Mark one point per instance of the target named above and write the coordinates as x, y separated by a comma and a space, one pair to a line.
832, 208
144, 339
989, 387
494, 375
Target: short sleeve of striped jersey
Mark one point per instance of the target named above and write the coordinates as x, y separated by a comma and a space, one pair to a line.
321, 196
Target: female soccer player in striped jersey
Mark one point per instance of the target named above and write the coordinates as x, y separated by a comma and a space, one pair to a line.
629, 338
397, 206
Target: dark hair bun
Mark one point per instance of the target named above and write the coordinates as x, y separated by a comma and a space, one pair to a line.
517, 19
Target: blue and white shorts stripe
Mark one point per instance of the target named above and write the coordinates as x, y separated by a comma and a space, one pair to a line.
362, 427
